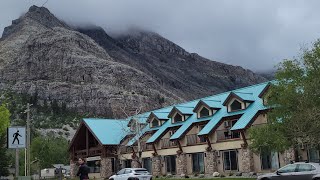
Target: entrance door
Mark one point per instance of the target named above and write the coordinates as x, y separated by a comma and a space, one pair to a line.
198, 163
147, 164
171, 164
230, 160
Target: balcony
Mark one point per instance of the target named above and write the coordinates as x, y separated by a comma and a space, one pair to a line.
223, 135
94, 151
194, 139
166, 143
125, 149
146, 147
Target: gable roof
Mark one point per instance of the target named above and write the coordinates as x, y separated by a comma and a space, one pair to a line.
183, 110
107, 131
213, 104
242, 96
158, 115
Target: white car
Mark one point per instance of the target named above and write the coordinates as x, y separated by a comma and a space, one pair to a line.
132, 174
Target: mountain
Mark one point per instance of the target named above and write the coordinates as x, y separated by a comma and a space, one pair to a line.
88, 71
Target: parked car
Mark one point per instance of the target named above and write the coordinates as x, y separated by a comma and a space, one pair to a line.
295, 171
132, 174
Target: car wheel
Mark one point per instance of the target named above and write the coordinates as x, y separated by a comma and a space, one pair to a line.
265, 179
111, 179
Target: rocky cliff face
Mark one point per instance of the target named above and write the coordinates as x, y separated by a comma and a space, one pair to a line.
186, 74
91, 72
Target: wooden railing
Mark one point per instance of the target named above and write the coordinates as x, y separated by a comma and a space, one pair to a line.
225, 134
166, 143
194, 139
125, 149
94, 151
146, 147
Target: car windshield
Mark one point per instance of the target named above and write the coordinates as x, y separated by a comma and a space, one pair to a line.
141, 171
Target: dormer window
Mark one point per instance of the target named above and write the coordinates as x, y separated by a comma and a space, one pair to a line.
133, 127
155, 123
236, 105
177, 118
204, 112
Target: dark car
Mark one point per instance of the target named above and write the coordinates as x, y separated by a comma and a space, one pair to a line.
295, 171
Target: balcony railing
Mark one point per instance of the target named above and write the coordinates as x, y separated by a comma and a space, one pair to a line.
146, 147
94, 151
125, 149
193, 139
166, 143
226, 134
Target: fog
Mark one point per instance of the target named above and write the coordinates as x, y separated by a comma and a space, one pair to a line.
249, 33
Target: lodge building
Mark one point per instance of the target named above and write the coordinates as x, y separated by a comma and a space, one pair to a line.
198, 137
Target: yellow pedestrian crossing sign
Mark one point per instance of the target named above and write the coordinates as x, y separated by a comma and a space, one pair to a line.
16, 137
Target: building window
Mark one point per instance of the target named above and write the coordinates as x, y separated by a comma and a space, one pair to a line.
147, 164
177, 118
113, 165
236, 105
170, 164
127, 163
313, 155
202, 139
226, 133
94, 166
230, 160
198, 163
154, 123
269, 160
204, 112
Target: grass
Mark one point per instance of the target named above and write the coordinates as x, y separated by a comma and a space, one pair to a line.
226, 178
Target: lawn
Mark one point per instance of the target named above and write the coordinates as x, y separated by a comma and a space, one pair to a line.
226, 178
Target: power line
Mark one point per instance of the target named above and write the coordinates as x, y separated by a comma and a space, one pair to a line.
44, 3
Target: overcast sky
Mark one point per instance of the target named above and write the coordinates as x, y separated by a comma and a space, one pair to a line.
249, 33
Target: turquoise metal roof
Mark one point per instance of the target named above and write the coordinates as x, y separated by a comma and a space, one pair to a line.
161, 115
192, 119
108, 131
102, 127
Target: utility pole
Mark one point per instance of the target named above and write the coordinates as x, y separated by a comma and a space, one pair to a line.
28, 139
17, 162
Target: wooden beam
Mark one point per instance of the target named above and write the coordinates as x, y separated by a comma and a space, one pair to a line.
208, 141
179, 145
244, 138
154, 148
87, 141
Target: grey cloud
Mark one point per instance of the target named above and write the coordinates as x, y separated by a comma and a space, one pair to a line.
253, 34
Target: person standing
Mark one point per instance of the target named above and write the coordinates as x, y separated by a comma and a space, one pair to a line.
83, 170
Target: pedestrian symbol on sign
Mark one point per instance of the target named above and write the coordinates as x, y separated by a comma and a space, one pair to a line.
16, 137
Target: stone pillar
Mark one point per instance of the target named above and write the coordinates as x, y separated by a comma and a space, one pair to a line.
288, 156
156, 165
135, 162
246, 159
210, 162
73, 169
181, 162
105, 167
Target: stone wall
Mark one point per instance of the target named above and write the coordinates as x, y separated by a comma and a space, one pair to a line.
210, 162
106, 167
73, 169
156, 165
135, 163
246, 158
288, 156
181, 162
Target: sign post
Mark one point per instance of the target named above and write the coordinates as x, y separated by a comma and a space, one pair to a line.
16, 140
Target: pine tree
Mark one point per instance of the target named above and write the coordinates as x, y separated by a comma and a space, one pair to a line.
4, 158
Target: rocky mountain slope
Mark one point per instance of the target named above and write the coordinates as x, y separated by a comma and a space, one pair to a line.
90, 72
